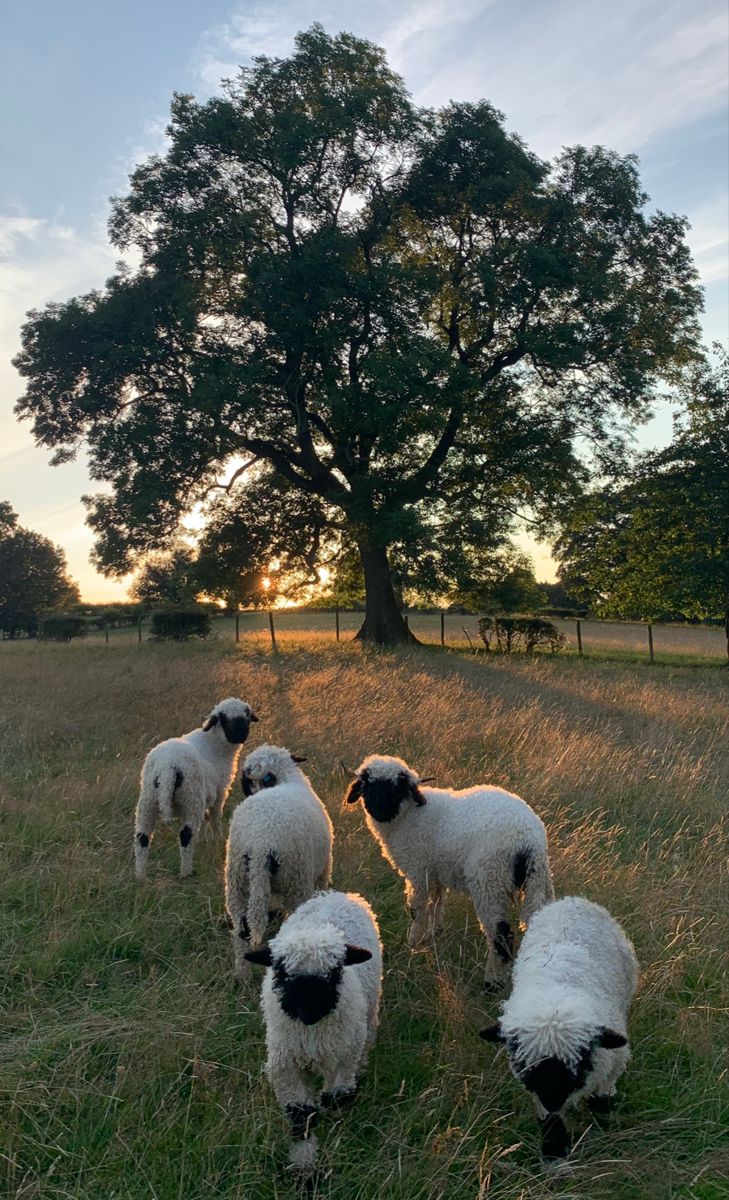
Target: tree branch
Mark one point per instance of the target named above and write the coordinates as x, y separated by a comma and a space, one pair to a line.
225, 487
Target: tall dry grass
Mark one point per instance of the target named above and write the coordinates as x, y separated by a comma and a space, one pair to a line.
129, 1068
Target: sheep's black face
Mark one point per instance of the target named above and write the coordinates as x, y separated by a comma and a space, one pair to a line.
383, 798
553, 1081
235, 728
307, 998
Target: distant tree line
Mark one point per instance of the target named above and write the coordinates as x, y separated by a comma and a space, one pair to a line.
33, 577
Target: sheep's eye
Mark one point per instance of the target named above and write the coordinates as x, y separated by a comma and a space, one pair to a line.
268, 780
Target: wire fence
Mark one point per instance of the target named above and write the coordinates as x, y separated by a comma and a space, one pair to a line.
653, 643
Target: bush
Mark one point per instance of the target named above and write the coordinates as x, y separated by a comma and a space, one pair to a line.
179, 624
513, 633
61, 627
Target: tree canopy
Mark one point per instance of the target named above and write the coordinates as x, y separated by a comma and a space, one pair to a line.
657, 543
167, 577
33, 576
399, 321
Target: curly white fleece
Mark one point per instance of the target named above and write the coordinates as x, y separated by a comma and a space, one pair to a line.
206, 762
463, 839
279, 849
312, 941
575, 974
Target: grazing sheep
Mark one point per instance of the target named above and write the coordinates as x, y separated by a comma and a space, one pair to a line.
279, 848
481, 840
320, 1001
565, 1023
186, 777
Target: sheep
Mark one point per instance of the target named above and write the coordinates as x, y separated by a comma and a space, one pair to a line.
481, 840
565, 1023
279, 849
320, 1001
185, 778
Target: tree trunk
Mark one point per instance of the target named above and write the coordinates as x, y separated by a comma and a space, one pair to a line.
383, 623
726, 631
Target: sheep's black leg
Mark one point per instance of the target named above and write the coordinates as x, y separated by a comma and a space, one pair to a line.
187, 835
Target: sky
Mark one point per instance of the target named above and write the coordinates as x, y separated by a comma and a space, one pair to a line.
85, 88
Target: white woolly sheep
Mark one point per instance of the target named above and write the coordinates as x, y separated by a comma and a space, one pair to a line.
320, 1001
185, 778
481, 840
279, 848
565, 1023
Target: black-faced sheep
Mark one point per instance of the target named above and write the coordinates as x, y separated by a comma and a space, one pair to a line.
183, 778
565, 1024
482, 841
279, 848
320, 1001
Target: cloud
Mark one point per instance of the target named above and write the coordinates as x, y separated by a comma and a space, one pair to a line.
709, 239
39, 261
618, 74
562, 71
417, 31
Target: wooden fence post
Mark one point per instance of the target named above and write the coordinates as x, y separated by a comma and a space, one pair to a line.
139, 630
336, 620
272, 628
406, 619
650, 644
579, 637
442, 629
106, 632
237, 624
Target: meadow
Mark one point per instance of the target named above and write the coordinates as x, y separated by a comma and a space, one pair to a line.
130, 1067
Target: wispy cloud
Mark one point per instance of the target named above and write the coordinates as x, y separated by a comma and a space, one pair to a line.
563, 72
591, 72
709, 239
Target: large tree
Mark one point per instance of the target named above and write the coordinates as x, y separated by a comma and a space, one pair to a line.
657, 542
404, 315
33, 576
167, 577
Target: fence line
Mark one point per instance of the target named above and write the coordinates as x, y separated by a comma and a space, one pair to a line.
434, 628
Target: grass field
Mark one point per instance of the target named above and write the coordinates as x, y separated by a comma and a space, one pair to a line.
129, 1067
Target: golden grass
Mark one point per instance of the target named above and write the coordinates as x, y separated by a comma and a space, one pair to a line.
129, 1068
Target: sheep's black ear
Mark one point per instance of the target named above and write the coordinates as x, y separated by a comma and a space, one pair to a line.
261, 957
210, 721
354, 792
356, 954
417, 795
609, 1039
252, 716
492, 1033
299, 758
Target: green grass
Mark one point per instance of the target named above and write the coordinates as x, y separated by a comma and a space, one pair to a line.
129, 1067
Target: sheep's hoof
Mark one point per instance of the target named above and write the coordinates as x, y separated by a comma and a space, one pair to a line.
189, 875
302, 1154
601, 1104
